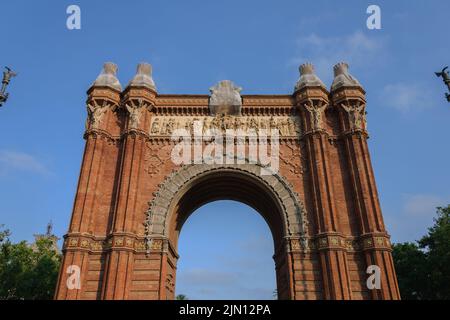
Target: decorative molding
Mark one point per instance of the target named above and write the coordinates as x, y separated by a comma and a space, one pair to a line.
293, 160
294, 213
154, 158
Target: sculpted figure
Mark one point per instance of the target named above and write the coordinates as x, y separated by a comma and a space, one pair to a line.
284, 127
315, 113
188, 126
206, 125
356, 114
170, 126
253, 124
95, 114
239, 124
216, 123
155, 126
291, 127
134, 115
163, 127
272, 123
228, 122
263, 124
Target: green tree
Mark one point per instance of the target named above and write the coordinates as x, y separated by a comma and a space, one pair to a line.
437, 248
27, 272
423, 268
410, 266
181, 297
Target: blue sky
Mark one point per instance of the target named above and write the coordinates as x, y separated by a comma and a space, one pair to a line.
192, 45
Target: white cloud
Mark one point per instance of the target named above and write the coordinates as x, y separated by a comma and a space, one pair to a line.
415, 215
13, 160
357, 49
422, 204
406, 97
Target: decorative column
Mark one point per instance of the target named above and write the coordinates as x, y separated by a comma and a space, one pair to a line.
312, 101
103, 100
138, 100
348, 97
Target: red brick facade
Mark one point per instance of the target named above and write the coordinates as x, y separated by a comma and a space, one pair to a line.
132, 200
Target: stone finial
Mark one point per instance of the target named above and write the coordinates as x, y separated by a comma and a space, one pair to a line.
342, 78
225, 99
107, 78
143, 77
308, 78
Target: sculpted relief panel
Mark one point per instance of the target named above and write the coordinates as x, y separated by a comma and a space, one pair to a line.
287, 126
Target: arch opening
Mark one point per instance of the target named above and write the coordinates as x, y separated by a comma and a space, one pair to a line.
225, 252
191, 187
227, 185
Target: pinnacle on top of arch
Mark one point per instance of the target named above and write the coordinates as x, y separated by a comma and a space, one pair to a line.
308, 77
108, 78
143, 77
342, 78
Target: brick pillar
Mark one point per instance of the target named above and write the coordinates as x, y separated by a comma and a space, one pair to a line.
137, 103
312, 101
101, 126
350, 102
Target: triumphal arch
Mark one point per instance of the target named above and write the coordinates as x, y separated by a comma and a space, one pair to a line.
301, 160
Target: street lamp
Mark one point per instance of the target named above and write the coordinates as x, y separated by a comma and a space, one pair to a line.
446, 77
7, 75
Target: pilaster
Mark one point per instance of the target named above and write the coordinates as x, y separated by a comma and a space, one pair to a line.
348, 97
312, 102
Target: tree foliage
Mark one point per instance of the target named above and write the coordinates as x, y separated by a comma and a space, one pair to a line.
423, 268
27, 272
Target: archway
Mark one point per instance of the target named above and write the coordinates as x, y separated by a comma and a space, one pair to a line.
191, 187
226, 252
127, 249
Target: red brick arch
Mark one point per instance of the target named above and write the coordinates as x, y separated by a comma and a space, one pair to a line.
322, 205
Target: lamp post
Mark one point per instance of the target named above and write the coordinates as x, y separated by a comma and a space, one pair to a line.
7, 75
446, 78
